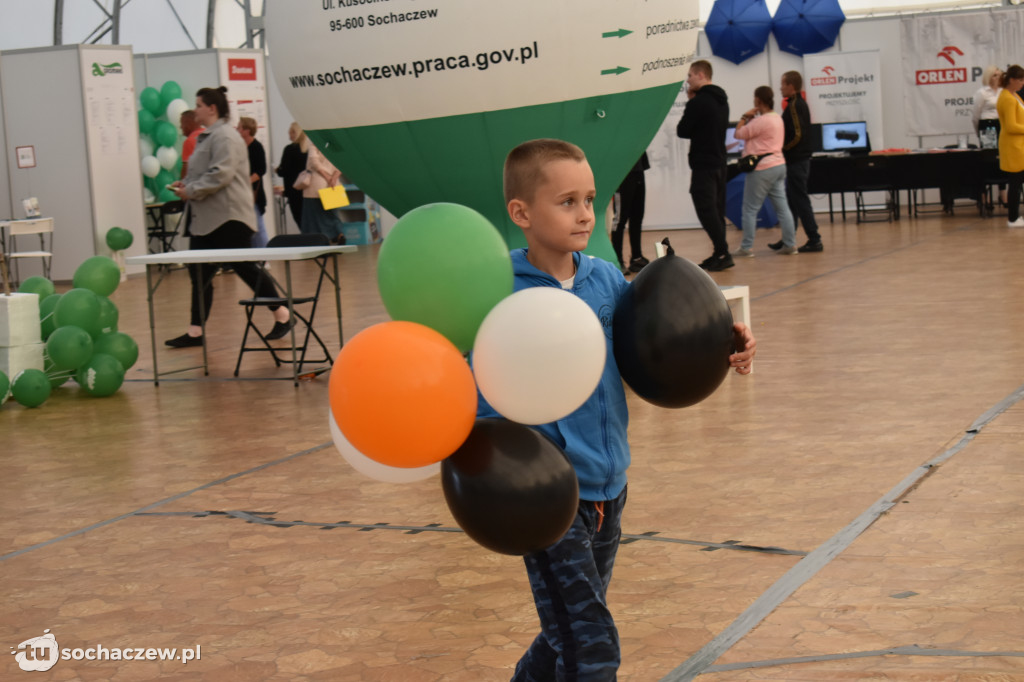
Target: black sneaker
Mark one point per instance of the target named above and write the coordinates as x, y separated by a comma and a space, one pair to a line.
812, 247
185, 341
637, 264
720, 263
775, 246
708, 261
280, 329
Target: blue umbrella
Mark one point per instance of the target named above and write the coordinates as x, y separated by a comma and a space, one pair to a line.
738, 29
806, 26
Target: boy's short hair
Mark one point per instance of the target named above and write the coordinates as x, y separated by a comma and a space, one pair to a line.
703, 66
524, 165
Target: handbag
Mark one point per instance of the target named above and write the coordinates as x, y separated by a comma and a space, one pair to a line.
749, 163
303, 180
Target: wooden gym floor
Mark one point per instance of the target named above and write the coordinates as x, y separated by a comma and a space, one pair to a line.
852, 510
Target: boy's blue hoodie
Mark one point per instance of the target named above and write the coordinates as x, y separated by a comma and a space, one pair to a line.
594, 436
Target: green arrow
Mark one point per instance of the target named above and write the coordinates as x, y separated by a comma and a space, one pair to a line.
616, 34
617, 70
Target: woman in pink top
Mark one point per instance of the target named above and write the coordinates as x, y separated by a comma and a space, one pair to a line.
761, 130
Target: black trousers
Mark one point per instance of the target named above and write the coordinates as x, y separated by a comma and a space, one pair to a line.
1015, 182
799, 201
707, 188
295, 205
231, 235
632, 197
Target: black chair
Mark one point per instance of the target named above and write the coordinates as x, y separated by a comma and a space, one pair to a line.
283, 240
873, 175
159, 231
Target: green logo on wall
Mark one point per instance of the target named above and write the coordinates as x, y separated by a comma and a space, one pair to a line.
103, 69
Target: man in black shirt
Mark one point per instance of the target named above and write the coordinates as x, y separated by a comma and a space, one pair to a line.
704, 123
797, 148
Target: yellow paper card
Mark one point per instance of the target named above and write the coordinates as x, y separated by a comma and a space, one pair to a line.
333, 197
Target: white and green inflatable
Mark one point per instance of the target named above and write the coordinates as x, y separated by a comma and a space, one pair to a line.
419, 101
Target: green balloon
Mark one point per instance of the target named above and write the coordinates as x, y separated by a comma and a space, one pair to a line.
163, 178
47, 320
119, 346
119, 239
108, 315
56, 377
166, 195
165, 134
5, 386
101, 376
99, 274
69, 347
80, 308
146, 121
37, 285
169, 92
425, 275
149, 98
31, 388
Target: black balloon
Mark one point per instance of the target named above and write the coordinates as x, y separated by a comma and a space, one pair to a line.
672, 333
510, 488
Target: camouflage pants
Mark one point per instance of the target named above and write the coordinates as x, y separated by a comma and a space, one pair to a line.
578, 639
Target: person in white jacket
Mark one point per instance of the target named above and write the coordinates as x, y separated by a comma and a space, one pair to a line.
986, 118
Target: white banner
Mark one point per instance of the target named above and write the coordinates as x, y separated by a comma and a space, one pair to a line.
402, 60
846, 86
943, 58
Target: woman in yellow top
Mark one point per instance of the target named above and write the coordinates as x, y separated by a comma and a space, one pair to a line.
1011, 140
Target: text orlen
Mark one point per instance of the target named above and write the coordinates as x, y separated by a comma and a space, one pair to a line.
939, 76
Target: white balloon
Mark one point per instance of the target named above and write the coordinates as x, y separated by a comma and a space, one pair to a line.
145, 147
373, 468
167, 156
174, 109
147, 196
150, 166
538, 355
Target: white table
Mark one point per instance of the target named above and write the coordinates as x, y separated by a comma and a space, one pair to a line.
285, 254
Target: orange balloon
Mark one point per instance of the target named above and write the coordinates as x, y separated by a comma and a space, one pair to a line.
402, 394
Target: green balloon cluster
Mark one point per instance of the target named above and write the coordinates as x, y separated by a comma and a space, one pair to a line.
79, 327
159, 119
119, 239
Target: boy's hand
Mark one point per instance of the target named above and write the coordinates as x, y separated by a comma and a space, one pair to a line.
746, 346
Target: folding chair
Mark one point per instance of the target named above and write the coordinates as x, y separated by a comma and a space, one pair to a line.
38, 226
251, 304
159, 231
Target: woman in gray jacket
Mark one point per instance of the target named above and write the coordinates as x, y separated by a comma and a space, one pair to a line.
219, 211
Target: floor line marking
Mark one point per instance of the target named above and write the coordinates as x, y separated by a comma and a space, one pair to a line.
912, 650
268, 519
807, 567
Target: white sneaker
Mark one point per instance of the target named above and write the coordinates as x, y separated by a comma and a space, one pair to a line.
743, 253
1019, 222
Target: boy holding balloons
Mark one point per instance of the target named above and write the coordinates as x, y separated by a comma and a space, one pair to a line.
549, 191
